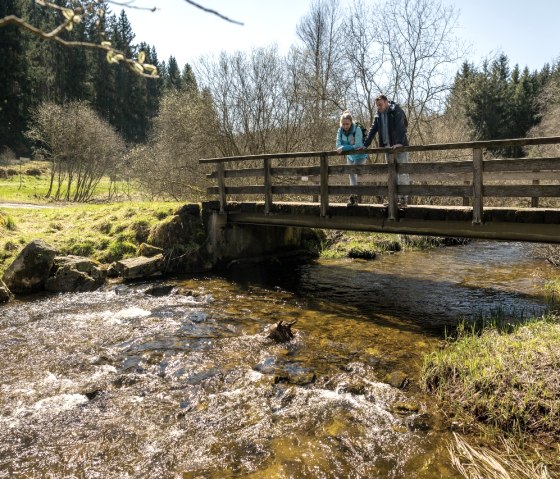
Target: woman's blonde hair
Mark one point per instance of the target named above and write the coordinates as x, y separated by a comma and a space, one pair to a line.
346, 116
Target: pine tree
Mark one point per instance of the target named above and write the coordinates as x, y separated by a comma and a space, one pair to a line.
188, 80
173, 78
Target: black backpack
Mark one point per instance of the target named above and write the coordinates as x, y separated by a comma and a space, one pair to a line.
363, 128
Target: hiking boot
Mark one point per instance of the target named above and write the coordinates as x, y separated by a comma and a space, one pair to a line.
352, 201
403, 202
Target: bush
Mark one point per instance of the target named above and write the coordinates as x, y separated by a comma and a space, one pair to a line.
81, 146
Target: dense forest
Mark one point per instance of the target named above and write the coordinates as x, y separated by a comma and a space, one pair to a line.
254, 101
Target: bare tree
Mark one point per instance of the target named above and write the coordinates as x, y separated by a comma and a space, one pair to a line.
81, 147
406, 49
257, 100
419, 37
323, 66
168, 166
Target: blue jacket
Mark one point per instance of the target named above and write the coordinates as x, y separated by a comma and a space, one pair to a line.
350, 141
397, 127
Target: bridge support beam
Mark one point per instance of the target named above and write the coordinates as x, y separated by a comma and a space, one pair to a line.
506, 224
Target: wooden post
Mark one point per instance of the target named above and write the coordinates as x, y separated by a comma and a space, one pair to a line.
222, 187
267, 186
392, 186
477, 186
466, 199
324, 187
535, 199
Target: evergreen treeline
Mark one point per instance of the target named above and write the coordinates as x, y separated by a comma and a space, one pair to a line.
262, 101
498, 102
34, 71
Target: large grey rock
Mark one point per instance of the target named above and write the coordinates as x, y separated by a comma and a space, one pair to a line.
75, 274
5, 294
140, 267
31, 268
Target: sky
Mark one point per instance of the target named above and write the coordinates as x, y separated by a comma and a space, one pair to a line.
527, 32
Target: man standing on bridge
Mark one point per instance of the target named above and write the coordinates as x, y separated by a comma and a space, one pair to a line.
390, 123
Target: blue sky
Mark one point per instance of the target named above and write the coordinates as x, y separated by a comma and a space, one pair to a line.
527, 32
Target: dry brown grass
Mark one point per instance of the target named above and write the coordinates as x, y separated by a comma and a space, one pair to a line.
505, 462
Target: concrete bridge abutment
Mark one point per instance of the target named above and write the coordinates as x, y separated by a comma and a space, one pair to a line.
228, 243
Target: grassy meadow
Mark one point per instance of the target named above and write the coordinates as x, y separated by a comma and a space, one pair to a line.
102, 230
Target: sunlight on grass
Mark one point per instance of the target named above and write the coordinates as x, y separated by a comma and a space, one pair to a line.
105, 232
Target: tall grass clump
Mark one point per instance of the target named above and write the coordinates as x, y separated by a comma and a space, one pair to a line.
503, 383
510, 380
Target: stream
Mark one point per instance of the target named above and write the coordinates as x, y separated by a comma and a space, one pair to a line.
121, 384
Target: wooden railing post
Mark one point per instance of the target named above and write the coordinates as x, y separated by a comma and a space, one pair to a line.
222, 187
535, 199
392, 186
466, 199
477, 186
324, 188
267, 186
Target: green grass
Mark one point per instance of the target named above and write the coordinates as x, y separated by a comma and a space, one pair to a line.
25, 188
355, 244
509, 381
105, 232
552, 288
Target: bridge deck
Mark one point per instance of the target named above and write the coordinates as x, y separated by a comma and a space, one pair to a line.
527, 224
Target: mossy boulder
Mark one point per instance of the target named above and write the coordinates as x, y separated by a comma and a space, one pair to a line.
181, 236
31, 268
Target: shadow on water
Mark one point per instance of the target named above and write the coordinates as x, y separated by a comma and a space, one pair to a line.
417, 291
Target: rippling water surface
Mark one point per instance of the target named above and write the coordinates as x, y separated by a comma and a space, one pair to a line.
117, 383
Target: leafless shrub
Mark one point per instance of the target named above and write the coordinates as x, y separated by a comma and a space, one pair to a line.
81, 147
7, 156
184, 131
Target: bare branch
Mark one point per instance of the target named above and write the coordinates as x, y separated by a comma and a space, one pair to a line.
117, 55
72, 16
214, 12
130, 4
131, 64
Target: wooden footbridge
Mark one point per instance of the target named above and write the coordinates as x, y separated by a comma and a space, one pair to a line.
502, 199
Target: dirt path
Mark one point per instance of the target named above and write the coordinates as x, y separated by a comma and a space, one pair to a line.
24, 205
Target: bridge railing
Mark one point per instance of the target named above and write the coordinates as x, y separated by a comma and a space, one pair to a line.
472, 179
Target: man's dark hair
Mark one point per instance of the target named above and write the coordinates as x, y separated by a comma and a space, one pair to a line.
381, 97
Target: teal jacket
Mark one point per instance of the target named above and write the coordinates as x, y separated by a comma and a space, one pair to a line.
350, 141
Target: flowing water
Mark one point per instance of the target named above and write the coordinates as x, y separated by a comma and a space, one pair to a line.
120, 384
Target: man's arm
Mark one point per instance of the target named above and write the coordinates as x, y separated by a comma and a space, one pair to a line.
372, 132
400, 127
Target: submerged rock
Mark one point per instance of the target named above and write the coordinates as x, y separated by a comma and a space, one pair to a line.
405, 407
397, 379
159, 290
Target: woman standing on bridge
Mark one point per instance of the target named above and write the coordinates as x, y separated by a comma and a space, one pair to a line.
350, 137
